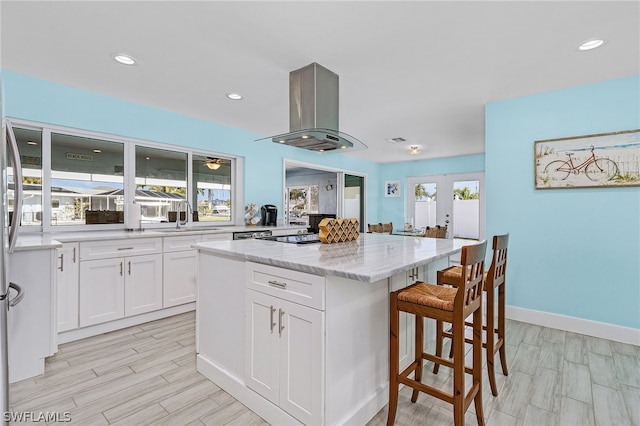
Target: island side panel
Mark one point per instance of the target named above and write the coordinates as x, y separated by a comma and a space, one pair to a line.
357, 353
221, 312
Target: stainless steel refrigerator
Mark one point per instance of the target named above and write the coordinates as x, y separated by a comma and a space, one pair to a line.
10, 293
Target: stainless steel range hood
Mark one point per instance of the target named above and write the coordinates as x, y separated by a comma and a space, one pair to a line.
313, 112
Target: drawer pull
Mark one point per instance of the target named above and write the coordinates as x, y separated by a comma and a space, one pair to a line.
277, 284
125, 248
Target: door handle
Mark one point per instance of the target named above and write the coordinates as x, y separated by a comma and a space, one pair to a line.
129, 267
120, 268
61, 257
280, 322
18, 297
74, 255
273, 324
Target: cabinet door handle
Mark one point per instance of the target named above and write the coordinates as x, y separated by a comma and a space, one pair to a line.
280, 322
120, 268
74, 255
273, 323
61, 257
277, 284
129, 267
125, 248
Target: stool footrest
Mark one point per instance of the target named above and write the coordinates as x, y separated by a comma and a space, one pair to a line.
427, 389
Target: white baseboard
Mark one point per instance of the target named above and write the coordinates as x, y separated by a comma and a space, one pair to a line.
576, 325
94, 330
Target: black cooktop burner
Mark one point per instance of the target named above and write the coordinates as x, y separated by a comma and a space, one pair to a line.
294, 239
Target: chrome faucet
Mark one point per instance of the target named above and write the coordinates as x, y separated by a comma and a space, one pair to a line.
188, 210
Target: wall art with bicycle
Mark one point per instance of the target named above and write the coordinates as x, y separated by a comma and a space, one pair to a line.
602, 160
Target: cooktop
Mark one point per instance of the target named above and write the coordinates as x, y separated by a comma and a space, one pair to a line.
294, 239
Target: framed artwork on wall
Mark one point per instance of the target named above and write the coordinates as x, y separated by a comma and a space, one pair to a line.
392, 188
592, 161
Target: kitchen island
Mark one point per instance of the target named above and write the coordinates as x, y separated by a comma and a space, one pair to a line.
299, 333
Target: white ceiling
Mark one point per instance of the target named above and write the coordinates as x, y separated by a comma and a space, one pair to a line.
420, 70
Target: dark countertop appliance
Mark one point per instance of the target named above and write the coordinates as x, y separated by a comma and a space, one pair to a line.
294, 239
269, 214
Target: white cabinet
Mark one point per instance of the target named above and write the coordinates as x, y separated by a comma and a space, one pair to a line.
180, 270
68, 257
285, 344
31, 324
142, 284
407, 321
102, 291
113, 285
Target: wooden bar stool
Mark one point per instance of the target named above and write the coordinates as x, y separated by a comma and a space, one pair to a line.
453, 305
495, 277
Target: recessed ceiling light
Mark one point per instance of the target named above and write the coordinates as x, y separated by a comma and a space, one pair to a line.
124, 59
234, 96
414, 150
591, 44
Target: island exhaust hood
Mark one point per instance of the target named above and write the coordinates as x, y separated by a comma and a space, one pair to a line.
313, 112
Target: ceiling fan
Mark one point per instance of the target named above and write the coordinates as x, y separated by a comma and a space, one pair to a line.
214, 163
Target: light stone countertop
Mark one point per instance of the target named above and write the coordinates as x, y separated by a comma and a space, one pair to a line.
43, 241
370, 258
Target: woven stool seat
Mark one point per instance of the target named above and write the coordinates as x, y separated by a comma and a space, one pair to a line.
434, 296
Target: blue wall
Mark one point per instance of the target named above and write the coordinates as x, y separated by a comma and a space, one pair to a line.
46, 102
574, 252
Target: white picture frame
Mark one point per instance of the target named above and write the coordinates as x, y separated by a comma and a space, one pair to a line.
392, 188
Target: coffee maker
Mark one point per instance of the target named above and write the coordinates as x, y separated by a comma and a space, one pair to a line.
269, 214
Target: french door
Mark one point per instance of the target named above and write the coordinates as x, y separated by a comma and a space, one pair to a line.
456, 201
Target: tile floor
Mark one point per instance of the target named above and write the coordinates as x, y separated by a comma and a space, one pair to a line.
147, 375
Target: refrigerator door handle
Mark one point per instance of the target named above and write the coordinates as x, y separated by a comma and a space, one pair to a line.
17, 188
18, 297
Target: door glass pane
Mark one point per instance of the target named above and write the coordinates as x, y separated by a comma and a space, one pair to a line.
466, 209
161, 183
30, 149
299, 202
354, 198
86, 180
425, 204
212, 184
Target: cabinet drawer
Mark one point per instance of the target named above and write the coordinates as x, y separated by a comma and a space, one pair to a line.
298, 287
180, 243
117, 248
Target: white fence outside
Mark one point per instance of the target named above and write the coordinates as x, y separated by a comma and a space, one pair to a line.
466, 213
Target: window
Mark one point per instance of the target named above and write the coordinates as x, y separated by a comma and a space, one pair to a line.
87, 177
212, 187
161, 184
30, 149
